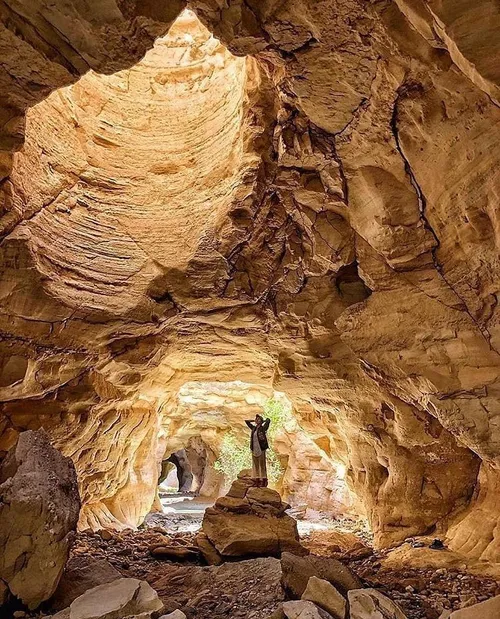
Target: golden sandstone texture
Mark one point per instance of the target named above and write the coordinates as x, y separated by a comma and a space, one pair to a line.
297, 196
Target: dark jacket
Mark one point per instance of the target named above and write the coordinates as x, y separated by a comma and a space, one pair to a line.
261, 433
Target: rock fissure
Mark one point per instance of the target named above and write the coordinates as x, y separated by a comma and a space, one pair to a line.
402, 91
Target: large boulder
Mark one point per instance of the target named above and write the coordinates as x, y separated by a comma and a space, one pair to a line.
82, 572
371, 604
250, 522
296, 572
39, 508
490, 609
125, 597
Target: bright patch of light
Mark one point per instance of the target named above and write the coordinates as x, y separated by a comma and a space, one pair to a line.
341, 471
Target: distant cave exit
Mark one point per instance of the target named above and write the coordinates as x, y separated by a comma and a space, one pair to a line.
190, 470
176, 474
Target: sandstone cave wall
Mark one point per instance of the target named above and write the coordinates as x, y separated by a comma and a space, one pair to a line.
352, 264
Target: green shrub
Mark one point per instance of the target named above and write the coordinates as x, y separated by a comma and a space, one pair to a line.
279, 413
233, 457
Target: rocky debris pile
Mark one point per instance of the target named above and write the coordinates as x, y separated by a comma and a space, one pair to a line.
248, 522
424, 593
137, 552
241, 589
39, 509
174, 522
248, 589
322, 600
324, 588
255, 588
334, 541
122, 598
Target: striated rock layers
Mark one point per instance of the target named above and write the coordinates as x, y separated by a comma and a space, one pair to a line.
298, 197
39, 507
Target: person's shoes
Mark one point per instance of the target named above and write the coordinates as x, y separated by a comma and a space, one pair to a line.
256, 483
264, 483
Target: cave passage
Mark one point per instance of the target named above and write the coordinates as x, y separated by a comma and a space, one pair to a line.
210, 210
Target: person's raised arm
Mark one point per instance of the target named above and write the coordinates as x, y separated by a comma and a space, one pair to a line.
249, 423
266, 424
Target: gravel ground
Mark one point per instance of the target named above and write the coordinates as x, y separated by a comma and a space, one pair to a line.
251, 589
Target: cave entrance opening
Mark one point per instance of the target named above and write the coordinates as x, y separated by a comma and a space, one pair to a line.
188, 481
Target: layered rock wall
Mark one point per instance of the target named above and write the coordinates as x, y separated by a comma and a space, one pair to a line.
319, 218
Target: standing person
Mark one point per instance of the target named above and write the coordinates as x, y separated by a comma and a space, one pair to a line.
258, 446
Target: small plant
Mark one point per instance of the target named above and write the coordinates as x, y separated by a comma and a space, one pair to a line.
233, 457
279, 413
235, 454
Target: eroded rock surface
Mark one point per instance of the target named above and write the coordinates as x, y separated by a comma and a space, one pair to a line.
370, 603
306, 203
39, 507
298, 609
324, 595
121, 598
81, 573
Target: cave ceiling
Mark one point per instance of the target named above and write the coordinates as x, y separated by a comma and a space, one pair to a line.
301, 196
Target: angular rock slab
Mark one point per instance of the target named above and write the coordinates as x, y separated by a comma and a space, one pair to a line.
39, 509
253, 523
370, 604
296, 572
490, 609
323, 594
125, 597
82, 572
207, 549
300, 609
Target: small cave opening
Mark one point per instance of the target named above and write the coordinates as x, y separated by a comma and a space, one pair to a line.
176, 476
189, 472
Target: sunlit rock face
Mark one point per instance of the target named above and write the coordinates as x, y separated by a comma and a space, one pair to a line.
315, 214
130, 173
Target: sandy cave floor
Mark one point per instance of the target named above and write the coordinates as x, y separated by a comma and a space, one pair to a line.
251, 589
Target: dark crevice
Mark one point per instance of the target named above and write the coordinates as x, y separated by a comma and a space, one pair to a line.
350, 287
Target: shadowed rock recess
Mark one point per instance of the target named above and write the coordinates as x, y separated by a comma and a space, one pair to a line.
209, 204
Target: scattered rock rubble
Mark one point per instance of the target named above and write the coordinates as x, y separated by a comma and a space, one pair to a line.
333, 574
